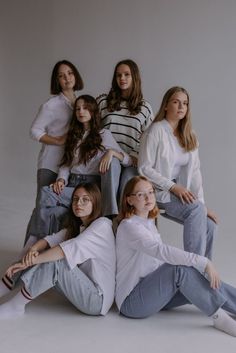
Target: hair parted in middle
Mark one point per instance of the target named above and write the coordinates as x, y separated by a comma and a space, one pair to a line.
127, 210
135, 98
55, 87
73, 223
186, 136
92, 143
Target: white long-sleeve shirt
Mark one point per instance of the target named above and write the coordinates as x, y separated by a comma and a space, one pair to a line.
140, 251
125, 127
52, 119
94, 252
92, 167
157, 160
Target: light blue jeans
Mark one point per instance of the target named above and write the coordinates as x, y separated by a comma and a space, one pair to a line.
45, 177
74, 284
171, 286
199, 230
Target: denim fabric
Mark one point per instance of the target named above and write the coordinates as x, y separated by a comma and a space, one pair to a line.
199, 230
126, 174
74, 284
171, 286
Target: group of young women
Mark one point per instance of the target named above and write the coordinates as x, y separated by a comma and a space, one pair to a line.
97, 154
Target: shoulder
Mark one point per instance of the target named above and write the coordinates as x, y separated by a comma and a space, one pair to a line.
102, 98
101, 224
146, 105
105, 133
53, 101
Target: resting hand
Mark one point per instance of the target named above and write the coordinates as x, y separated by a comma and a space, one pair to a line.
105, 162
214, 276
134, 161
183, 194
212, 216
28, 259
60, 140
58, 186
19, 266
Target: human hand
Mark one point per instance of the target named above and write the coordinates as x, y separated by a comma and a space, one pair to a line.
58, 186
214, 276
29, 258
134, 161
105, 162
60, 140
183, 194
212, 216
19, 266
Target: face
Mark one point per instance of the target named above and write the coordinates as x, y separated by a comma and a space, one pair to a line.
142, 198
124, 77
177, 106
82, 113
82, 205
66, 77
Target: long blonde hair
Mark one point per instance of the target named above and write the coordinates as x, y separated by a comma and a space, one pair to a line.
185, 134
127, 210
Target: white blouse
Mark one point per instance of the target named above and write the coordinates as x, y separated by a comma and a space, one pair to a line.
140, 251
52, 119
157, 159
94, 252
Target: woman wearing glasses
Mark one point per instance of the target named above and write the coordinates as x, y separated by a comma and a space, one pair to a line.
79, 261
169, 158
152, 276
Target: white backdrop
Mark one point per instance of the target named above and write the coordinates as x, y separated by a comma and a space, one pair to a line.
175, 42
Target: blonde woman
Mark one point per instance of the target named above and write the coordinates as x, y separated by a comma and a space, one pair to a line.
169, 158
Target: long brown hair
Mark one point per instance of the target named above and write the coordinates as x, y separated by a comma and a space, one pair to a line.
55, 87
185, 134
73, 223
92, 143
135, 99
127, 210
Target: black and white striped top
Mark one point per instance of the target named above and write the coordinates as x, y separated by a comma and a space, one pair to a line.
126, 128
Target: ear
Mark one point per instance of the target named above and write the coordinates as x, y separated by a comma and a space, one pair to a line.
129, 201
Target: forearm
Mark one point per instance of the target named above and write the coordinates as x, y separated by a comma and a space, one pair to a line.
41, 245
50, 140
50, 255
117, 155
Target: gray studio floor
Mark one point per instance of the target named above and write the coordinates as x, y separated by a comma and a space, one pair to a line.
51, 324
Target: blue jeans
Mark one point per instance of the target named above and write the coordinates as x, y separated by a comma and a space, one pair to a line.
199, 230
74, 284
126, 174
177, 285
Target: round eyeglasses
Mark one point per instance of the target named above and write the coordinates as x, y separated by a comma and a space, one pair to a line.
83, 200
142, 195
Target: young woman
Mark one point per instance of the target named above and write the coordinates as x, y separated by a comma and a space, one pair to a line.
152, 276
51, 125
52, 121
126, 114
169, 159
80, 262
89, 153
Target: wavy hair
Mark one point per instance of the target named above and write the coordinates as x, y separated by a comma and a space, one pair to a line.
185, 134
89, 146
127, 210
135, 99
73, 223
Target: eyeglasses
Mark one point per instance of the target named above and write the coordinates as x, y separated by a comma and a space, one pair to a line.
83, 200
142, 195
